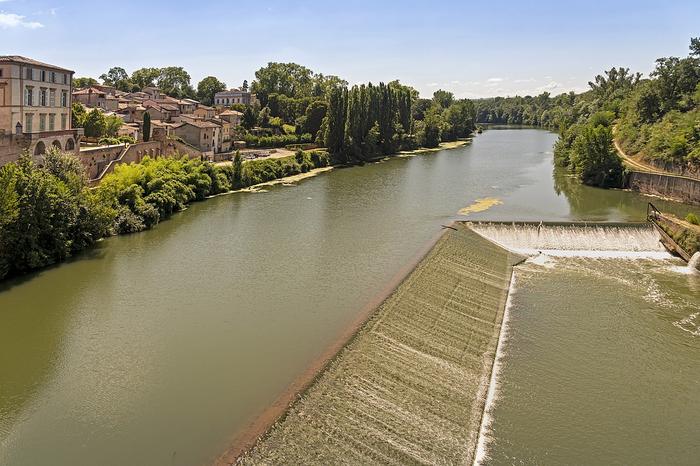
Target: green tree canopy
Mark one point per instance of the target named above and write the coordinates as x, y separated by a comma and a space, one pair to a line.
207, 88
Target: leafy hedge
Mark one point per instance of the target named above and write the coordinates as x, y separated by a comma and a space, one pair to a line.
48, 213
276, 141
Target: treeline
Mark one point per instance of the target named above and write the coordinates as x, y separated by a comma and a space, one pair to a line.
655, 118
587, 150
48, 213
660, 118
369, 120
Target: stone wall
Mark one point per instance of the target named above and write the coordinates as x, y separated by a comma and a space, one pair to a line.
670, 186
96, 159
689, 170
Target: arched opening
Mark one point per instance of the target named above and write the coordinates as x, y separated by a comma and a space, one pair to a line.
70, 145
40, 148
57, 144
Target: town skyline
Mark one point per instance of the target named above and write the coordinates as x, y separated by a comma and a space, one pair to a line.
425, 47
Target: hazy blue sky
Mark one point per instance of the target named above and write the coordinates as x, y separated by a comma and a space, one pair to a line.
473, 48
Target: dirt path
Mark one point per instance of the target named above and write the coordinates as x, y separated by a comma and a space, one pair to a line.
637, 165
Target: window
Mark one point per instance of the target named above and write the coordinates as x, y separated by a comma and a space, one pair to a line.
42, 122
29, 96
53, 77
42, 98
28, 118
52, 97
64, 117
52, 122
64, 99
0, 72
42, 75
28, 74
65, 78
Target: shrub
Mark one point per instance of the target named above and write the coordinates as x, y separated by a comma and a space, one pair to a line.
692, 218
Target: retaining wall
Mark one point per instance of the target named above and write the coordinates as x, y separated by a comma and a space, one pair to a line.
679, 188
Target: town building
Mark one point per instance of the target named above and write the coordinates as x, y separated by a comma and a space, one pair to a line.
198, 133
94, 97
233, 96
202, 111
232, 116
35, 108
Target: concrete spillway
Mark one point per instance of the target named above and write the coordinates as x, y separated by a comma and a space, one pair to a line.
632, 240
410, 387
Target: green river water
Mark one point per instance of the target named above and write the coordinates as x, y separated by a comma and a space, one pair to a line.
157, 348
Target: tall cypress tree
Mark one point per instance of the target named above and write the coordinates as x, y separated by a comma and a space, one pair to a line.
146, 127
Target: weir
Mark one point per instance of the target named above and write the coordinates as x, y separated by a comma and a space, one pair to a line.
633, 240
411, 386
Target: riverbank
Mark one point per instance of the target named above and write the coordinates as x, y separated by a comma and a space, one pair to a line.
428, 150
411, 384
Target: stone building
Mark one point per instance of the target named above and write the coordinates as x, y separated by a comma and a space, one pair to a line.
35, 108
233, 96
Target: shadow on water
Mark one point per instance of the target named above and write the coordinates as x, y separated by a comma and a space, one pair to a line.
595, 204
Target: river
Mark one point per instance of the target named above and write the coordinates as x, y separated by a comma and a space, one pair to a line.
157, 348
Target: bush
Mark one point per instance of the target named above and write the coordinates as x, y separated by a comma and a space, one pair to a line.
692, 218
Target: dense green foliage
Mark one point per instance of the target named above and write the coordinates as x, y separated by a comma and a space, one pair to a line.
276, 140
48, 213
207, 89
368, 120
95, 123
588, 151
657, 118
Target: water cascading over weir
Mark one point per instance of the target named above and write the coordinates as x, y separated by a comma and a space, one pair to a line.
411, 386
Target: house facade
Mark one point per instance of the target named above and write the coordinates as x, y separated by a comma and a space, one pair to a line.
201, 134
233, 96
35, 108
93, 97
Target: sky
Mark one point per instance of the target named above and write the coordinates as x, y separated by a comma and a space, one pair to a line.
472, 48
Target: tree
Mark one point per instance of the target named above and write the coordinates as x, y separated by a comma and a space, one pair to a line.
94, 123
443, 98
146, 127
459, 119
175, 82
145, 77
264, 117
118, 78
84, 82
335, 121
112, 125
237, 171
432, 129
594, 158
248, 120
207, 88
315, 113
289, 79
77, 115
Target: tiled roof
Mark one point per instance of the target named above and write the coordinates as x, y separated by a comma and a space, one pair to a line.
29, 61
199, 123
88, 90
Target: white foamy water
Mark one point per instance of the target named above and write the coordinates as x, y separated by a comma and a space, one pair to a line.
481, 453
576, 240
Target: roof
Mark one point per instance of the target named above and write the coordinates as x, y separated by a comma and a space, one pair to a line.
88, 90
29, 61
198, 123
230, 112
204, 107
